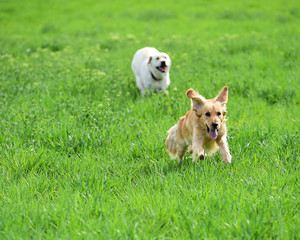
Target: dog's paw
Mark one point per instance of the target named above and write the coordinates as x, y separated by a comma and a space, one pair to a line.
190, 149
227, 159
200, 155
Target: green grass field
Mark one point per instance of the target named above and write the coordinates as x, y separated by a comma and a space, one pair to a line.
82, 154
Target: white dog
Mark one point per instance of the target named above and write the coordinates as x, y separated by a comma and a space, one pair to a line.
151, 69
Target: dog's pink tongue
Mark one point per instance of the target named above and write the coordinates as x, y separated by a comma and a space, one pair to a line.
213, 133
163, 69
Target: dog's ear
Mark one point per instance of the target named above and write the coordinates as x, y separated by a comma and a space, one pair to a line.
150, 59
197, 100
223, 96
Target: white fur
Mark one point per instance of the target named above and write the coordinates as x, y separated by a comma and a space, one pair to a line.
145, 62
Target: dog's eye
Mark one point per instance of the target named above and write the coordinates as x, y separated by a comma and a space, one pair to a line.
218, 114
157, 58
207, 114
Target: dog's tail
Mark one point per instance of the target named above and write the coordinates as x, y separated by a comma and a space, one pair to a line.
171, 144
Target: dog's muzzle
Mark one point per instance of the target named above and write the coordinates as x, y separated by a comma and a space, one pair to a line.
162, 67
213, 132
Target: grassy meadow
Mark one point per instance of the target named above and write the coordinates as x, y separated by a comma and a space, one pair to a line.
82, 153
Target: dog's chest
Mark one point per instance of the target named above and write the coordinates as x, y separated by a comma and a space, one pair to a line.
210, 145
157, 85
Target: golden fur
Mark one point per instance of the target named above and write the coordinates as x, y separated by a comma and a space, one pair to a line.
202, 129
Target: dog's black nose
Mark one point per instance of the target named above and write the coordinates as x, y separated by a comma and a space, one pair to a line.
163, 63
214, 125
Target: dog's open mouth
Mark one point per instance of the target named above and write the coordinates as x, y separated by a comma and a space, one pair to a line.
162, 69
213, 133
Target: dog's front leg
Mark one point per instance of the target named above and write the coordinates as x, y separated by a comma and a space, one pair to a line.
180, 153
197, 148
143, 92
224, 150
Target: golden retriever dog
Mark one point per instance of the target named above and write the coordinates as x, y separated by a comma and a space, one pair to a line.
202, 129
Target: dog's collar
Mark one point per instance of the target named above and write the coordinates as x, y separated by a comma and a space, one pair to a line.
155, 78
